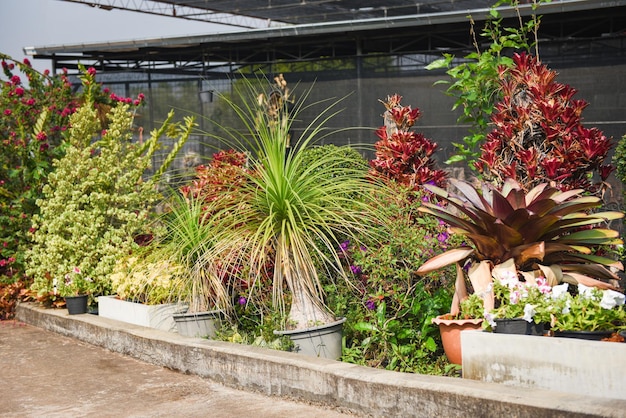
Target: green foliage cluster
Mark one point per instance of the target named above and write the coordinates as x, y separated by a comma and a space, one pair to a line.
96, 200
143, 279
475, 82
389, 308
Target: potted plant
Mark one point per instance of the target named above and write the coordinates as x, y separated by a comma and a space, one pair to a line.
290, 218
544, 232
590, 313
189, 236
75, 288
142, 291
520, 307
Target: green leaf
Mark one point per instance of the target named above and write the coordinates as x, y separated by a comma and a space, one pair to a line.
364, 326
430, 344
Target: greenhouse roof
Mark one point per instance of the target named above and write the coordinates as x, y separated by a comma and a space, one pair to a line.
433, 32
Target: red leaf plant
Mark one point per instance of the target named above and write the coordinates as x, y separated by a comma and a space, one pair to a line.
538, 136
401, 154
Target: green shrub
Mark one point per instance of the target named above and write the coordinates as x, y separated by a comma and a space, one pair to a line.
96, 201
389, 312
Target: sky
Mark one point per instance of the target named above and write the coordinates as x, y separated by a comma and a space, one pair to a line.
53, 22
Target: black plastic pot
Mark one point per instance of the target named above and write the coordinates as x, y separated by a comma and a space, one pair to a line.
76, 305
584, 335
518, 326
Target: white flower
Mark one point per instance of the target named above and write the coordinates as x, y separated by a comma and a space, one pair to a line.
568, 304
508, 278
490, 319
559, 290
611, 299
585, 291
529, 312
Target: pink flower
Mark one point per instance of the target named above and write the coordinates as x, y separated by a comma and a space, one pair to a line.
7, 112
544, 287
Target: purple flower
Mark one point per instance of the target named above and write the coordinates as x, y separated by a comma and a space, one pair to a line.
356, 270
343, 247
363, 248
370, 304
242, 301
442, 237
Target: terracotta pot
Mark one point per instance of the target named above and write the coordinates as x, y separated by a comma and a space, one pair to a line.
450, 330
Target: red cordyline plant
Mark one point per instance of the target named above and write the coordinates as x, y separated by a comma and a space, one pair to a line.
538, 135
401, 154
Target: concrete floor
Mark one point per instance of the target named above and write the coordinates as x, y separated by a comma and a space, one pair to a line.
44, 374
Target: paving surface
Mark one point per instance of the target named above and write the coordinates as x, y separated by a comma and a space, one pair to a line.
44, 374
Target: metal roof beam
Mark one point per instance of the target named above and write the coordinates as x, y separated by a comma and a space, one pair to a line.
179, 11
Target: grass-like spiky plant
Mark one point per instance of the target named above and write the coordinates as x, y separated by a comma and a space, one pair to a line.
291, 213
543, 232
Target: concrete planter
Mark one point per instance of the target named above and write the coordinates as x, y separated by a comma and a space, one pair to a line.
320, 341
588, 368
153, 316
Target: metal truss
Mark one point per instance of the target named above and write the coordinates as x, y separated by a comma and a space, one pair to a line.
176, 11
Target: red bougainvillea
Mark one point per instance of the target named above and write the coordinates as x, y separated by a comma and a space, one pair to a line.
401, 154
538, 134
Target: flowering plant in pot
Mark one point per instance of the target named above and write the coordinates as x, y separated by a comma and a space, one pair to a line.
74, 283
544, 233
75, 288
520, 306
586, 312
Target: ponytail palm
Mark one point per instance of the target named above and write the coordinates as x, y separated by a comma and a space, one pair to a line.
292, 214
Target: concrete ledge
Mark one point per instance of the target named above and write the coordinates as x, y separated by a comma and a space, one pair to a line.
361, 390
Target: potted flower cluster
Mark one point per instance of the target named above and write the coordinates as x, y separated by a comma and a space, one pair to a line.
543, 233
75, 288
520, 307
590, 313
538, 309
